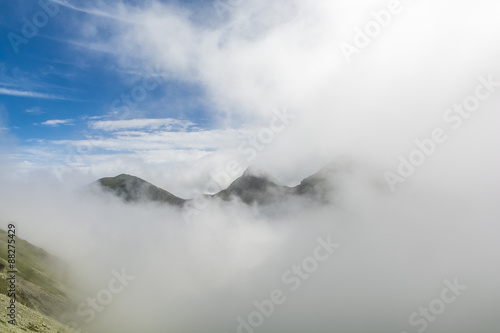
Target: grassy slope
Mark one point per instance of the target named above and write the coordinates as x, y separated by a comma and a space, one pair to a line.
40, 284
35, 265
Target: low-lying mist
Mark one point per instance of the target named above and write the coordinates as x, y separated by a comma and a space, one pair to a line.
391, 254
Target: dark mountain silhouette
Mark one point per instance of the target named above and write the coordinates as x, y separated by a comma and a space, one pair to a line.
320, 185
134, 189
251, 188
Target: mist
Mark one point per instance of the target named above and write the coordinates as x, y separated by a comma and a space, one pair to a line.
394, 253
397, 247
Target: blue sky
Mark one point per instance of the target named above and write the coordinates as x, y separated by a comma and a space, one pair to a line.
102, 88
106, 87
65, 81
53, 86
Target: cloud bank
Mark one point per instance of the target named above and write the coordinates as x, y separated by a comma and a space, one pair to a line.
397, 248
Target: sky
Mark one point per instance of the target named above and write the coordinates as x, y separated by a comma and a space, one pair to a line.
153, 88
182, 93
61, 83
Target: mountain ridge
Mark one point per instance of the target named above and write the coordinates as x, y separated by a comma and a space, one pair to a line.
134, 189
251, 188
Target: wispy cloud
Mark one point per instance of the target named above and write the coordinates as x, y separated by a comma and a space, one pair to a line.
92, 117
28, 94
143, 141
149, 124
57, 122
35, 110
91, 11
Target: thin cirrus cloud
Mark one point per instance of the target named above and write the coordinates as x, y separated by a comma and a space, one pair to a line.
124, 141
35, 110
91, 11
29, 94
155, 141
146, 124
57, 122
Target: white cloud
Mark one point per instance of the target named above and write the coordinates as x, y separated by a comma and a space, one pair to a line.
93, 117
29, 94
35, 110
140, 141
140, 153
57, 122
151, 124
287, 53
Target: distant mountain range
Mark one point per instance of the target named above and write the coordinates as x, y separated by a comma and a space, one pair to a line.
250, 188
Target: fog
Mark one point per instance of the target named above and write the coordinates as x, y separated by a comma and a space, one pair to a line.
396, 248
395, 252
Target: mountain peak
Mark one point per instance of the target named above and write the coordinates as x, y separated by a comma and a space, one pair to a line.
132, 188
125, 175
253, 187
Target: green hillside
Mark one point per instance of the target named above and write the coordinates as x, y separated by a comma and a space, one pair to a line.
41, 286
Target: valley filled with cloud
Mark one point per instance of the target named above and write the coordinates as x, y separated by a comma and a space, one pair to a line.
287, 166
